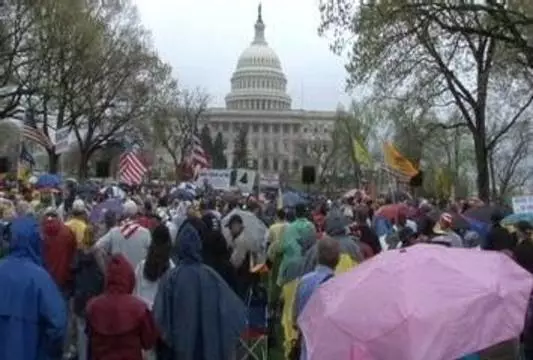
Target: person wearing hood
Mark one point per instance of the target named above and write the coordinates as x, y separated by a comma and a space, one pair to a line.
119, 325
59, 250
197, 313
34, 318
299, 236
336, 227
215, 250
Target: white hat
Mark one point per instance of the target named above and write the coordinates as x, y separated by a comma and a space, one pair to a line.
130, 208
78, 205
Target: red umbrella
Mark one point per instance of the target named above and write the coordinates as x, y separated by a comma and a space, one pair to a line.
391, 211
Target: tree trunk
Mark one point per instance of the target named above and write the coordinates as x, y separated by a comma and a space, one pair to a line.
83, 169
492, 177
53, 162
482, 166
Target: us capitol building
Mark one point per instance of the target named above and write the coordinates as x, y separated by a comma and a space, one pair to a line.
279, 138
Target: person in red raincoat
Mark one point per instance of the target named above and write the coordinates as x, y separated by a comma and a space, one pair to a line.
59, 243
119, 325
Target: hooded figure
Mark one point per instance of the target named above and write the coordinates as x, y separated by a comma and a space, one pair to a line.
119, 324
199, 316
59, 250
33, 317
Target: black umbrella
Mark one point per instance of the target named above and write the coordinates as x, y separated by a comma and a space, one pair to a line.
458, 221
485, 213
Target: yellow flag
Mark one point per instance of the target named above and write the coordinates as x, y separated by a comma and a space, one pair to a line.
395, 160
23, 171
360, 153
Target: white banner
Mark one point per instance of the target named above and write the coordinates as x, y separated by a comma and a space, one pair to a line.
218, 179
62, 140
245, 180
269, 180
522, 204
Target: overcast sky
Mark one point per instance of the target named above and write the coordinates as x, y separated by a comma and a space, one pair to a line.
202, 40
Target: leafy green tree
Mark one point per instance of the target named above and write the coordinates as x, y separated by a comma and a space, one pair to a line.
219, 148
240, 149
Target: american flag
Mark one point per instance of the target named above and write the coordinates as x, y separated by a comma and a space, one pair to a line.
198, 157
131, 169
32, 133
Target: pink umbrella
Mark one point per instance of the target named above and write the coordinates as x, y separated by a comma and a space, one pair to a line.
423, 302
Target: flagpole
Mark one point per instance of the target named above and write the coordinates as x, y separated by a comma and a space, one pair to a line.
19, 151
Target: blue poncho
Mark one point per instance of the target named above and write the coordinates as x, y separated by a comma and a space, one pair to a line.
33, 317
199, 316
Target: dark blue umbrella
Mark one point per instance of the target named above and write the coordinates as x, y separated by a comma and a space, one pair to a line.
181, 194
48, 181
291, 199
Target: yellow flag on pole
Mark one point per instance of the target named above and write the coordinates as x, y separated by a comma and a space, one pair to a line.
396, 161
360, 152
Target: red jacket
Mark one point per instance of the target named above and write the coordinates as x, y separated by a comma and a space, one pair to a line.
120, 325
59, 245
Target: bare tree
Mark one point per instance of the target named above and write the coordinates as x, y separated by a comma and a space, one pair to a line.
509, 162
174, 125
119, 81
16, 21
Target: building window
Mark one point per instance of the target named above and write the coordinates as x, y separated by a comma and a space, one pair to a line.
275, 128
275, 146
265, 145
265, 164
255, 144
275, 165
285, 165
225, 126
296, 128
263, 105
266, 128
255, 163
255, 128
295, 165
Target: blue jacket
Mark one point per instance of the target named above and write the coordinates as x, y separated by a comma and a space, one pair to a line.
32, 311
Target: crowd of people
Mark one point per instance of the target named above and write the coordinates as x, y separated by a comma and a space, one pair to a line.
171, 280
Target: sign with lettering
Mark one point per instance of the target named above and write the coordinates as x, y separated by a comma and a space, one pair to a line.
270, 180
522, 204
218, 179
62, 140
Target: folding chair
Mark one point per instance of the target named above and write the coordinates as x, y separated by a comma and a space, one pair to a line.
254, 340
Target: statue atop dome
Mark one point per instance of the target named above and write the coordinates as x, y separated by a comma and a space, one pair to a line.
259, 27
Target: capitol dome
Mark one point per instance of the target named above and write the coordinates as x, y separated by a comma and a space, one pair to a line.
258, 82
